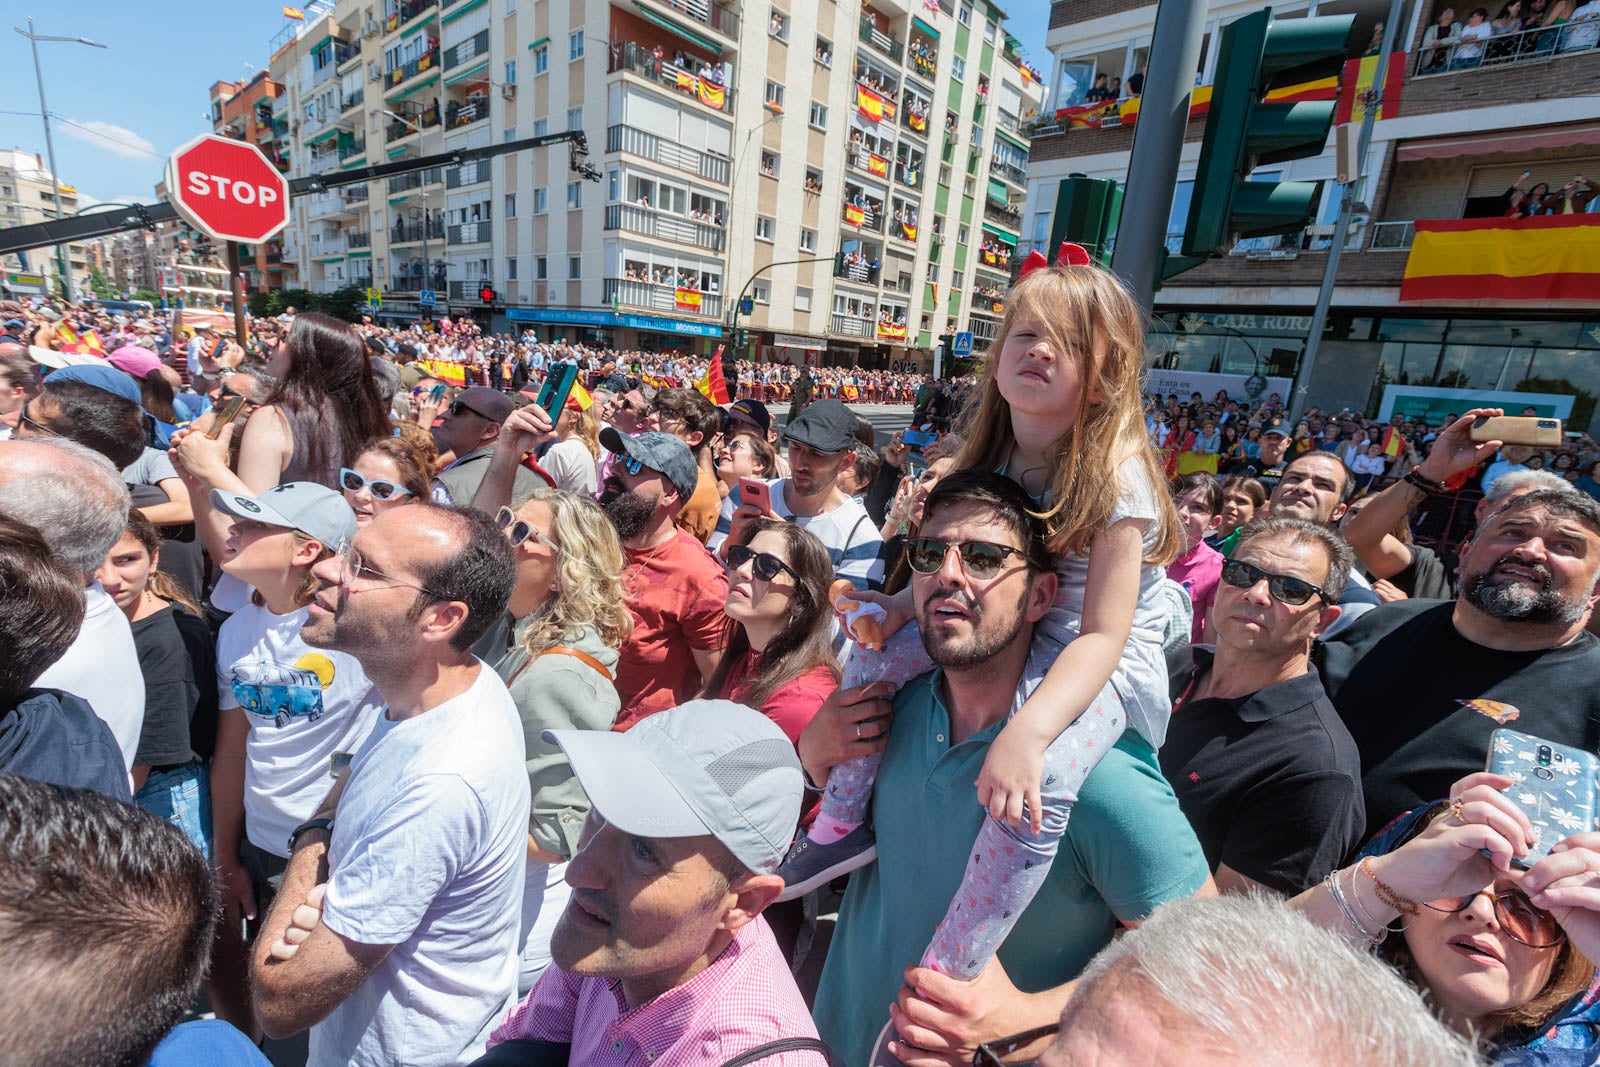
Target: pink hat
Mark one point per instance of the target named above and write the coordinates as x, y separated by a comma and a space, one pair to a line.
134, 360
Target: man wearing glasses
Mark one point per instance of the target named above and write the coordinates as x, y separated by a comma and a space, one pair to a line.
981, 580
470, 428
1264, 767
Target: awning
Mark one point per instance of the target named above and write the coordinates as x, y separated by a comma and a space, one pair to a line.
1012, 141
1003, 234
469, 72
367, 254
540, 41
461, 9
1499, 141
998, 191
924, 27
674, 26
417, 88
331, 131
417, 26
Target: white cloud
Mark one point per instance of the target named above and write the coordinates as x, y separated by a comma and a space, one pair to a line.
108, 136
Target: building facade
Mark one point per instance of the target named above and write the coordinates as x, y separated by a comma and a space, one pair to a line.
1455, 133
854, 170
28, 196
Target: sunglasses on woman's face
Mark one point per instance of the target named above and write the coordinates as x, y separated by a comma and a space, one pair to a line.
381, 488
765, 566
518, 530
1283, 588
980, 559
1515, 913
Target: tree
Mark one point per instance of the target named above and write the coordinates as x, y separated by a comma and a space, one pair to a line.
100, 285
345, 303
148, 295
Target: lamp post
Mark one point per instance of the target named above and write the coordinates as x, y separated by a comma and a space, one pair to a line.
49, 145
427, 264
739, 303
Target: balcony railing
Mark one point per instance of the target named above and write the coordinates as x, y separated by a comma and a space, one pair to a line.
719, 18
406, 232
987, 301
428, 118
352, 149
460, 290
663, 297
666, 227
864, 217
1007, 121
404, 183
468, 50
1004, 215
345, 51
407, 11
1505, 49
852, 325
909, 174
1392, 236
924, 58
358, 239
468, 233
467, 174
642, 60
354, 194
459, 113
410, 277
875, 37
412, 67
861, 271
1008, 170
643, 143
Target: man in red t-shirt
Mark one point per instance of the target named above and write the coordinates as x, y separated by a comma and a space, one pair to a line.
673, 587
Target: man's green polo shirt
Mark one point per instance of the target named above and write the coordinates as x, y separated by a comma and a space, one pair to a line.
1127, 849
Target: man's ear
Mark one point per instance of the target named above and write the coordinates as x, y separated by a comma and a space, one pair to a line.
441, 619
1041, 594
1326, 618
752, 895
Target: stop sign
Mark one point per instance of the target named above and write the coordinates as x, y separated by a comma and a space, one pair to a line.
228, 189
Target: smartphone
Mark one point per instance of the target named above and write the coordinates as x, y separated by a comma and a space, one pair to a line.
1554, 785
223, 414
1516, 430
919, 438
216, 347
436, 394
757, 492
556, 388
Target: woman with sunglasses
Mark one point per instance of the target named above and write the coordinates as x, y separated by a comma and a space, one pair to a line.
388, 474
743, 454
569, 618
1502, 953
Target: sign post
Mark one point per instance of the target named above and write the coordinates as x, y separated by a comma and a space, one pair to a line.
375, 299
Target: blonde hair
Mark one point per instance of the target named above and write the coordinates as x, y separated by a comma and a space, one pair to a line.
1090, 318
589, 569
306, 592
587, 430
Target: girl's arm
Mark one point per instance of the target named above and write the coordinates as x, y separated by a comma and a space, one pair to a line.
264, 451
1012, 770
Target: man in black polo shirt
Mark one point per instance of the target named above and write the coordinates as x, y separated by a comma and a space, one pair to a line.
1422, 684
1267, 467
1263, 767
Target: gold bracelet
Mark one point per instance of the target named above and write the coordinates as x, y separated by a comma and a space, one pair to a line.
1387, 895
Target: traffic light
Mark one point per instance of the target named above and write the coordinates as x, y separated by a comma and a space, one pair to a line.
747, 304
1086, 214
487, 293
1245, 130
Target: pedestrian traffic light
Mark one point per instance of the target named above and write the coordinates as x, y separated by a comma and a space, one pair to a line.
1244, 128
747, 304
486, 294
1086, 214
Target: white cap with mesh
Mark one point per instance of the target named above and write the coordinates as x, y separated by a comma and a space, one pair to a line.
705, 767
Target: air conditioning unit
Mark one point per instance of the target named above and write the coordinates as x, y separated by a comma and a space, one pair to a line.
371, 29
508, 91
374, 72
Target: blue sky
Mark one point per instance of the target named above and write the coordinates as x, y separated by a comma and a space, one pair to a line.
118, 112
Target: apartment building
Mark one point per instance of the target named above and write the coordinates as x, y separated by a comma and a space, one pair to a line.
245, 111
28, 196
854, 169
1455, 132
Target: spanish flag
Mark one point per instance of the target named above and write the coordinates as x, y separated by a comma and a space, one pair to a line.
580, 396
688, 299
711, 94
909, 231
878, 165
1496, 262
869, 103
454, 373
855, 216
293, 13
686, 81
712, 385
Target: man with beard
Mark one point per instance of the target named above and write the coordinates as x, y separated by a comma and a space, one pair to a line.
408, 953
1422, 684
1127, 849
673, 587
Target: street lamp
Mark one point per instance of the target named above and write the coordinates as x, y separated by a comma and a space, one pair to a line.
427, 264
49, 145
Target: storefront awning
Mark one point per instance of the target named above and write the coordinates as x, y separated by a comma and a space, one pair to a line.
673, 26
1500, 141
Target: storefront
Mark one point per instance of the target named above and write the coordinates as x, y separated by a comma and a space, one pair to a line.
643, 333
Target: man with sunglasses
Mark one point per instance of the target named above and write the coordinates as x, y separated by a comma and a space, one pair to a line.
981, 580
1262, 764
470, 428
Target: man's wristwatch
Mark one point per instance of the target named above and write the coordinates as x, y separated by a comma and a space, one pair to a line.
1427, 485
309, 824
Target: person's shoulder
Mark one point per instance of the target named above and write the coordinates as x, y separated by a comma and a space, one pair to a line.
1385, 619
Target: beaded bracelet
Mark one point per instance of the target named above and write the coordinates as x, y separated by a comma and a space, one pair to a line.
1385, 894
1332, 882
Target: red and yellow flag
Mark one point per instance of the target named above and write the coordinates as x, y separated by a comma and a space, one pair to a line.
1494, 262
712, 385
293, 13
878, 165
454, 373
711, 94
855, 216
1358, 75
686, 81
890, 331
688, 299
909, 230
581, 396
869, 103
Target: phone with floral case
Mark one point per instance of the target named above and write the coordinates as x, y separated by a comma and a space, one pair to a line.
1556, 786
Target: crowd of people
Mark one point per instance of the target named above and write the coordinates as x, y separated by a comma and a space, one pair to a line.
1522, 30
454, 730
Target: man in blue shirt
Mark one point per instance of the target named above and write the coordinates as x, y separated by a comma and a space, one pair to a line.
1127, 849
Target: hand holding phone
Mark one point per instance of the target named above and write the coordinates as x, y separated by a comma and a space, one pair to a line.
1556, 787
1516, 430
223, 414
756, 493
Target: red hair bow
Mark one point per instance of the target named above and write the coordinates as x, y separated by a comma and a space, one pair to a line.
1068, 255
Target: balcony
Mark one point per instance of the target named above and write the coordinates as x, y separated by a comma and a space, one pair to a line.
1507, 49
852, 326
468, 233
410, 277
429, 117
663, 298
666, 227
460, 290
641, 60
411, 68
855, 267
909, 174
353, 101
405, 183
345, 51
924, 56
467, 174
354, 194
719, 18
995, 254
863, 214
466, 51
1008, 122
642, 143
914, 113
871, 35
409, 231
460, 113
349, 150
1011, 172
358, 239
410, 9
1002, 214
987, 300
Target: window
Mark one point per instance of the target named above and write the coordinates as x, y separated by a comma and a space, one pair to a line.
541, 268
541, 59
964, 14
769, 163
766, 227
824, 53
541, 127
574, 196
967, 186
778, 25
958, 68
958, 279
511, 268
819, 115
575, 117
511, 205
802, 299
541, 200
575, 45
761, 292
574, 268
510, 72
808, 240
944, 175
961, 235
774, 95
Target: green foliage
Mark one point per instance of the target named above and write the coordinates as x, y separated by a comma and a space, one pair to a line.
101, 285
147, 294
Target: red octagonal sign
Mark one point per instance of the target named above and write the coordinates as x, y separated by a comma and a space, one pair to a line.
228, 189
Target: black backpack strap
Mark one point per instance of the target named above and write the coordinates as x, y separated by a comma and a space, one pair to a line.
526, 1052
782, 1045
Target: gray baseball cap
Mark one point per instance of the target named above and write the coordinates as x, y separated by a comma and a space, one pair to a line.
705, 767
660, 452
314, 510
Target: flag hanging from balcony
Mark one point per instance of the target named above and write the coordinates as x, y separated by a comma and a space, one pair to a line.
688, 299
891, 331
712, 385
294, 13
878, 165
1357, 82
1493, 262
711, 94
855, 216
869, 103
686, 81
909, 230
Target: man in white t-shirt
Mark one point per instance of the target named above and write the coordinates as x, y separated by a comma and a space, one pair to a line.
414, 956
77, 501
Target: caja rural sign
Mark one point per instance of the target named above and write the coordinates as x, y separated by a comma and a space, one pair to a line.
228, 189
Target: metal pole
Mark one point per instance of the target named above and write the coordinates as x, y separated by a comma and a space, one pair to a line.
236, 285
751, 280
62, 266
1341, 229
1157, 144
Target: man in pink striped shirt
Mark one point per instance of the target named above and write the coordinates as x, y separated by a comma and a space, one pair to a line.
662, 956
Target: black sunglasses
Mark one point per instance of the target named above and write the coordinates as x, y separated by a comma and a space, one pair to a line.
980, 559
1283, 588
766, 565
994, 1053
1516, 914
459, 408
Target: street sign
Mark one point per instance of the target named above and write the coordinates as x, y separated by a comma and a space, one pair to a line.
228, 189
374, 299
425, 298
963, 345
